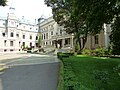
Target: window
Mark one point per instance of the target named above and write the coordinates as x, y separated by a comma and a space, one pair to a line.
5, 50
30, 37
23, 44
11, 50
46, 35
3, 23
3, 34
30, 44
60, 31
5, 42
36, 44
11, 34
51, 32
36, 37
39, 27
23, 36
17, 35
19, 43
96, 39
11, 43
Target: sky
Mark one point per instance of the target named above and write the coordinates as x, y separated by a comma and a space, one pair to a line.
30, 9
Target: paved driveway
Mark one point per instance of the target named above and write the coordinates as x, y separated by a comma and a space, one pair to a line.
32, 72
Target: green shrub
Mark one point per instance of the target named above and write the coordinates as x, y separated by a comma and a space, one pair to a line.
70, 79
86, 52
77, 48
99, 52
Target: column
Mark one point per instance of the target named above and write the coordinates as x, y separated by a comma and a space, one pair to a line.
63, 43
71, 42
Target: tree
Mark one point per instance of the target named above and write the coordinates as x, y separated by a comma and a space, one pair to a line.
3, 2
39, 41
83, 17
115, 36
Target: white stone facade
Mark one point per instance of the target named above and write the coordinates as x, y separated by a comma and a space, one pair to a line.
52, 32
16, 34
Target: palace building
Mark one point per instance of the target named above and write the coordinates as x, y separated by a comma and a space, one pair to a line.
16, 34
51, 33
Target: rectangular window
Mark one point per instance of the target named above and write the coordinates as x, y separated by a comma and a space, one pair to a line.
46, 35
36, 37
3, 23
11, 34
96, 39
51, 32
60, 31
30, 37
5, 50
3, 34
11, 50
23, 36
5, 42
11, 43
23, 44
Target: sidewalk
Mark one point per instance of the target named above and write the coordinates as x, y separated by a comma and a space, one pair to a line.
4, 56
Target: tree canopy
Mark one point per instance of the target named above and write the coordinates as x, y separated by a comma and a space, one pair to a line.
3, 2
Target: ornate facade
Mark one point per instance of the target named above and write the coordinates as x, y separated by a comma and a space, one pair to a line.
52, 33
16, 34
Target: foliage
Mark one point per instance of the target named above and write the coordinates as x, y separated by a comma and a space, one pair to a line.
61, 80
3, 2
97, 52
115, 36
86, 52
39, 41
70, 79
76, 48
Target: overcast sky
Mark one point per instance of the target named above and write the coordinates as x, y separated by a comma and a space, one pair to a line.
30, 9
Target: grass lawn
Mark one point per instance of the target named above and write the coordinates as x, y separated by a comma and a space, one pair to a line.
93, 73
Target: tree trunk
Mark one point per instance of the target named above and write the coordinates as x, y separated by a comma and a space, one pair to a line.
79, 41
85, 40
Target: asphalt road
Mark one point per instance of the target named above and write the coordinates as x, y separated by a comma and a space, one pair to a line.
30, 73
